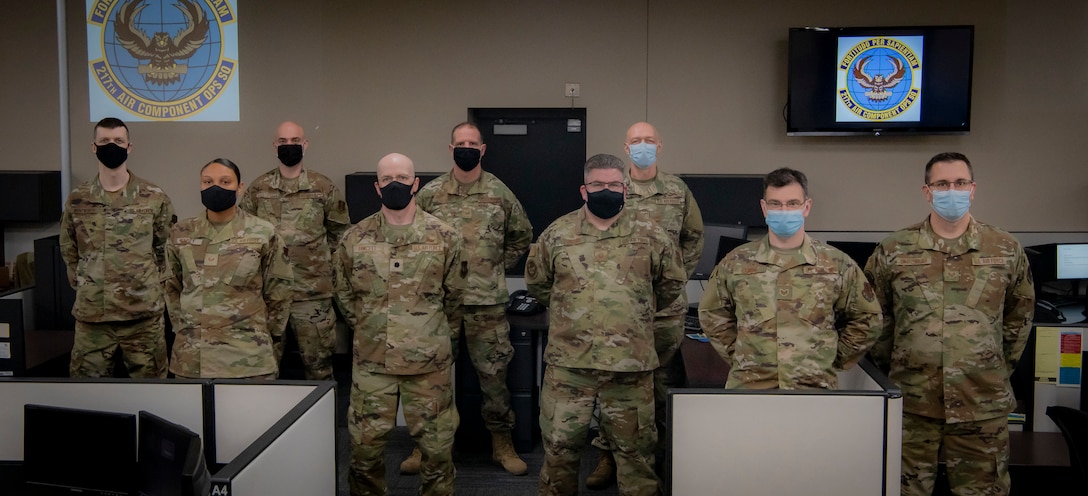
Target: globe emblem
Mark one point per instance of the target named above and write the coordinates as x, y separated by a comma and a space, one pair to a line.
880, 64
162, 17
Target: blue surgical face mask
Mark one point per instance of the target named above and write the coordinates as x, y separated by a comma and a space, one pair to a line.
785, 223
643, 154
951, 205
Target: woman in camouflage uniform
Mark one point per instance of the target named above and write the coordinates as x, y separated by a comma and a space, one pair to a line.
228, 286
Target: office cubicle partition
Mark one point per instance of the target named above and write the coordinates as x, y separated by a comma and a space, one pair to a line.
773, 442
270, 438
296, 454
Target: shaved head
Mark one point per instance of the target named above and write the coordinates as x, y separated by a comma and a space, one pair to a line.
639, 131
289, 130
396, 164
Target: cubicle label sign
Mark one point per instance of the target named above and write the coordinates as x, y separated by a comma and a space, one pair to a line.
163, 61
220, 489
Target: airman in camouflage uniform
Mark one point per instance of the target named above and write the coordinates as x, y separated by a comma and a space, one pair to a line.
399, 277
958, 301
668, 201
310, 215
228, 289
495, 232
112, 235
788, 311
604, 271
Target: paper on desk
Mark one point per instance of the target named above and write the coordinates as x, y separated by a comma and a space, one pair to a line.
1046, 353
1070, 358
5, 330
5, 351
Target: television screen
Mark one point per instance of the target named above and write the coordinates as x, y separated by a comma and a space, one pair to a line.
879, 80
171, 459
85, 451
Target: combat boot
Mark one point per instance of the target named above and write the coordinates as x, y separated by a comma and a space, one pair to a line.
410, 465
605, 474
502, 452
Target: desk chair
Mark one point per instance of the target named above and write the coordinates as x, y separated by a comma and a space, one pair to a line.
1074, 426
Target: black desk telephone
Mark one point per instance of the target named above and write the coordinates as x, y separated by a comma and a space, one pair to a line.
1047, 313
522, 304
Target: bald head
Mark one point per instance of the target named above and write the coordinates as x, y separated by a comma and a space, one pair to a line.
394, 165
641, 131
290, 130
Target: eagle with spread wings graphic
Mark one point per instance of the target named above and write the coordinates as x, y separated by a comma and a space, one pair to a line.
880, 83
161, 50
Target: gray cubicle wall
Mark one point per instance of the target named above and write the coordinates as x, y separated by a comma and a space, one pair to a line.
278, 438
295, 455
845, 442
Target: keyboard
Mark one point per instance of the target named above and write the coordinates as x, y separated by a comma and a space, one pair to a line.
691, 323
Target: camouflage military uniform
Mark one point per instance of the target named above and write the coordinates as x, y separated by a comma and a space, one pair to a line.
602, 288
668, 201
112, 244
228, 291
496, 232
399, 288
310, 214
789, 320
957, 315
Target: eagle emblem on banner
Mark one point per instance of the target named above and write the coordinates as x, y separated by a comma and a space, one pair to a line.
879, 84
161, 50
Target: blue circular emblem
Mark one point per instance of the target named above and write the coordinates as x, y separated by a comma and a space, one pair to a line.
879, 79
163, 60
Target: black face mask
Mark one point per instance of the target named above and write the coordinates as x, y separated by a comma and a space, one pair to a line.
111, 155
466, 158
605, 203
290, 155
396, 195
217, 198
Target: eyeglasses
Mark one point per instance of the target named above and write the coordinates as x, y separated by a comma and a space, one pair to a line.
384, 180
598, 185
959, 184
777, 205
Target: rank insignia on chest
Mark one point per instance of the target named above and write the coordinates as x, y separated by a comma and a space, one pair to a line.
784, 292
396, 265
211, 259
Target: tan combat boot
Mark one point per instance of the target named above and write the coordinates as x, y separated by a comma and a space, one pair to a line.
605, 474
410, 465
502, 452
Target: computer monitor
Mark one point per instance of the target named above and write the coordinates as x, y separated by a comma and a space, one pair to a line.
84, 451
1071, 261
712, 236
858, 251
171, 459
727, 244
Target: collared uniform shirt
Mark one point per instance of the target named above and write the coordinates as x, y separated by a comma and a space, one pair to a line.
495, 230
669, 202
310, 214
789, 321
112, 245
602, 289
957, 315
399, 287
229, 291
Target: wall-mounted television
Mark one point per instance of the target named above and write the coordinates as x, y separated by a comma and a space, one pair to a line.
879, 80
